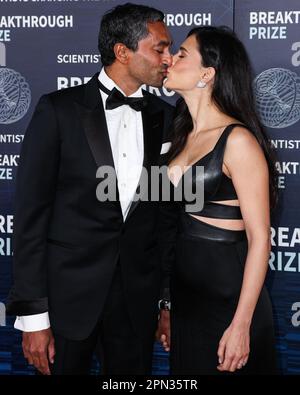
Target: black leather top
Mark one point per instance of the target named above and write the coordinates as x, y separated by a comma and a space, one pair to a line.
217, 186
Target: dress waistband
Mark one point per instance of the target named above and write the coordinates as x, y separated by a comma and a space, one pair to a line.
190, 226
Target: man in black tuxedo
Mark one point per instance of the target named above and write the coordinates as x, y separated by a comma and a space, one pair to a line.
88, 272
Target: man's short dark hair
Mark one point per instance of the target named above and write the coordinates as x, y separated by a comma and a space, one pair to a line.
126, 24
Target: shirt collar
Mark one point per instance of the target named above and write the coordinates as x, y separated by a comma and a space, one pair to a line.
110, 84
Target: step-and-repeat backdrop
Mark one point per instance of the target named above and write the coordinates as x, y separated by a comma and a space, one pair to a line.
47, 45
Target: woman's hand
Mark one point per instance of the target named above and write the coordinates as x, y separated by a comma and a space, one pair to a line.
234, 348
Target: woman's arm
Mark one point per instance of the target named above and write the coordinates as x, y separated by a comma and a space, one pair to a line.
246, 164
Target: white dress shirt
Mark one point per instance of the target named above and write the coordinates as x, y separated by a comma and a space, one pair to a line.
125, 129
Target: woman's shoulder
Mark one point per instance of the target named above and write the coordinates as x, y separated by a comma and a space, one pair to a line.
242, 144
241, 136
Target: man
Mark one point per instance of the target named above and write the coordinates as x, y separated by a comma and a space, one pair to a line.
87, 272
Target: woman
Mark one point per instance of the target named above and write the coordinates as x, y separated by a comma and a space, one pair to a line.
221, 316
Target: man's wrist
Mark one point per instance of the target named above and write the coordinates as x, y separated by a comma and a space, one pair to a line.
164, 304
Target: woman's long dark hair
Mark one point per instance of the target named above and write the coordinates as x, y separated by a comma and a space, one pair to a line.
232, 92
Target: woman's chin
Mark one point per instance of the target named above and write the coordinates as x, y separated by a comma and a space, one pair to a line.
167, 84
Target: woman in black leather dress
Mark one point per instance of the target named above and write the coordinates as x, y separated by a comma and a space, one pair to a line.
221, 315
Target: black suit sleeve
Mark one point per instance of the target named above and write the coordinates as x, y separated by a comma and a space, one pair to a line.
35, 193
168, 216
167, 231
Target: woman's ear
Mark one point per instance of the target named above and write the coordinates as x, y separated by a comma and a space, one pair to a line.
208, 75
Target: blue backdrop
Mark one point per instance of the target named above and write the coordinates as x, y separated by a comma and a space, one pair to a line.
48, 45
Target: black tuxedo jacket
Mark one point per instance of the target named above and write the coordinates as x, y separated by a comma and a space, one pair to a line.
66, 242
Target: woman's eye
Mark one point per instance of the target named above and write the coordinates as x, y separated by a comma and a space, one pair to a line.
159, 51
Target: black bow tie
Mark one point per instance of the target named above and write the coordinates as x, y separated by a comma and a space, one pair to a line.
116, 99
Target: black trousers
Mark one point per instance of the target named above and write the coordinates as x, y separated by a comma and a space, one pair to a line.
119, 348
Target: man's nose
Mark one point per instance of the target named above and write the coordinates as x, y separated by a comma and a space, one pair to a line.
168, 59
173, 60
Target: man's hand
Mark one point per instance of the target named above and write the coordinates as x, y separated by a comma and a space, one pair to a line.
163, 333
38, 349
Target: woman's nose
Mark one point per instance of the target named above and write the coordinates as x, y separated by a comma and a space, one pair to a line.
174, 59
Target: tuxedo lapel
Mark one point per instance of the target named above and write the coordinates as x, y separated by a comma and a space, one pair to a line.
152, 131
93, 119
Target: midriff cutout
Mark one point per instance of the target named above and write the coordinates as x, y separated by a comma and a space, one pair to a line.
233, 202
228, 224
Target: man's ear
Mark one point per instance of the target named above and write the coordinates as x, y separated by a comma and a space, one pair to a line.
121, 53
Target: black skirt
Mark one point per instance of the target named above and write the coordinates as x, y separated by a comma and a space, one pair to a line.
205, 288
